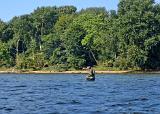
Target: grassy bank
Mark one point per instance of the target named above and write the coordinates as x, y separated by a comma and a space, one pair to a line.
53, 69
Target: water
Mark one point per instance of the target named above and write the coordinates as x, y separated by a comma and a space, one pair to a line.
72, 94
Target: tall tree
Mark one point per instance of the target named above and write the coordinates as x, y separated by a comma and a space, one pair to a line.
136, 25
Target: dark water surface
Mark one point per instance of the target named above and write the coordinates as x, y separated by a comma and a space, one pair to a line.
72, 94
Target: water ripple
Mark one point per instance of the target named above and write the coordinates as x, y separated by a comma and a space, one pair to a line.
72, 94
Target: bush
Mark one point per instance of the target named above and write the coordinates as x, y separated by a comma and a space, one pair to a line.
76, 62
121, 63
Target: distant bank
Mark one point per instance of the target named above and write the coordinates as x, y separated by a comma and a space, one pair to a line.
65, 72
74, 72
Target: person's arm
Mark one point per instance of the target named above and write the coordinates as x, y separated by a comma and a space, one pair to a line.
94, 72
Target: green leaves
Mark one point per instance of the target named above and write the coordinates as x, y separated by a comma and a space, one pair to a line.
59, 36
138, 21
5, 57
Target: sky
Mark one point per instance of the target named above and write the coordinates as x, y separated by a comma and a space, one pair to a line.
11, 8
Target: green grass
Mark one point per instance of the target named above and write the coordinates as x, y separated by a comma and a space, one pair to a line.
104, 68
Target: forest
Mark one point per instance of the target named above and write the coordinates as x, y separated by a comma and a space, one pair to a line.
64, 38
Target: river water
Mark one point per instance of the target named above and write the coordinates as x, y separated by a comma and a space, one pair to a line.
72, 94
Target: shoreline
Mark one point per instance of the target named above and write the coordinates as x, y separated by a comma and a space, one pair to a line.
61, 72
11, 71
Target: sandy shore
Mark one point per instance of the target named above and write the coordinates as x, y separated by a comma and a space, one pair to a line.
81, 72
75, 72
63, 72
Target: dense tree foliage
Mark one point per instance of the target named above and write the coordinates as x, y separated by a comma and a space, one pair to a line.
128, 38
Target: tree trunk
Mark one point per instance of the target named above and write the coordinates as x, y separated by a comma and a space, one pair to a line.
94, 57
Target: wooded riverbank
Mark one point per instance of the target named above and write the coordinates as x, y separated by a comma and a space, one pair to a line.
74, 72
64, 38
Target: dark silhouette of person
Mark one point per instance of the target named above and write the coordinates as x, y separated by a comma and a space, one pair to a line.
91, 75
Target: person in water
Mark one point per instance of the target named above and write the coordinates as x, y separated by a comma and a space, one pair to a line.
91, 71
91, 75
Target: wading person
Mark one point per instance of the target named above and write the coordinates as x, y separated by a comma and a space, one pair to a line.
91, 75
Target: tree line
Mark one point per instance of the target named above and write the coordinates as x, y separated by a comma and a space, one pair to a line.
128, 38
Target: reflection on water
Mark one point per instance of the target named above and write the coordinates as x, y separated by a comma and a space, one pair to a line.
72, 94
